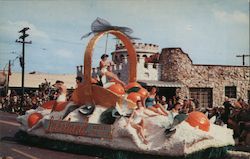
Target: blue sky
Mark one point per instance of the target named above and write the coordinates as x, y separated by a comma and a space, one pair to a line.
210, 31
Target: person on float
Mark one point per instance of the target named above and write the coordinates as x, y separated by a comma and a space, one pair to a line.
151, 104
176, 109
136, 120
62, 91
105, 70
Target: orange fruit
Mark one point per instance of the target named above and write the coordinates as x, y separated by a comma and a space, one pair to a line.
198, 119
33, 119
117, 89
132, 84
143, 92
134, 97
60, 106
49, 104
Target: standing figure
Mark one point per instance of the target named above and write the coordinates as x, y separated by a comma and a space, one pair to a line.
62, 91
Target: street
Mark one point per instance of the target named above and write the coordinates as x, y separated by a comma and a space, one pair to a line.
10, 148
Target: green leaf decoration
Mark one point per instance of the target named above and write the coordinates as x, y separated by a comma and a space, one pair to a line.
133, 89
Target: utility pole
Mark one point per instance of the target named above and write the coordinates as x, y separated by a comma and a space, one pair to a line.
22, 40
8, 77
243, 58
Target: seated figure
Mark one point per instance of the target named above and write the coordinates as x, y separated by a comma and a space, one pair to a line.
105, 71
151, 104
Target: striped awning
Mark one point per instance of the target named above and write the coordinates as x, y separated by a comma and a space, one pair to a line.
160, 83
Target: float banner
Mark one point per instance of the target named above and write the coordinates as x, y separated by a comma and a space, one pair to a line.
78, 128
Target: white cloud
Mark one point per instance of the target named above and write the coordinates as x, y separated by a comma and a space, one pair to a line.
11, 28
236, 16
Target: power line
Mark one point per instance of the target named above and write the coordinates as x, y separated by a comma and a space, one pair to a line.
243, 58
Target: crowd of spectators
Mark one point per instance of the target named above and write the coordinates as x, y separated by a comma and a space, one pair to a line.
32, 99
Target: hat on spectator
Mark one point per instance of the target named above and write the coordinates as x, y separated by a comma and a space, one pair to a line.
58, 82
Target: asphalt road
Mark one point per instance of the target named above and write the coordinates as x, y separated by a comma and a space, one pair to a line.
9, 147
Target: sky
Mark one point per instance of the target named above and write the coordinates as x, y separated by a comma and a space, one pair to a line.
210, 31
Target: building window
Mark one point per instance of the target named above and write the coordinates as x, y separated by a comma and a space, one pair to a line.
121, 58
230, 91
204, 96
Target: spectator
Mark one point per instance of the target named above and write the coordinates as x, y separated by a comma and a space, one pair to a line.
227, 105
32, 100
164, 103
170, 104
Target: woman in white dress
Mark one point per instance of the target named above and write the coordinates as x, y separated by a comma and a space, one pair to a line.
105, 69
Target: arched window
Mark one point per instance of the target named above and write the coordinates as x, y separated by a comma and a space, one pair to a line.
145, 58
121, 57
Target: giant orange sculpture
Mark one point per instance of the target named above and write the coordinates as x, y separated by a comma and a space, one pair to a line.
117, 88
132, 84
143, 92
198, 119
134, 97
49, 104
33, 119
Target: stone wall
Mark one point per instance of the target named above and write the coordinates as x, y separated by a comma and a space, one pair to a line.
177, 66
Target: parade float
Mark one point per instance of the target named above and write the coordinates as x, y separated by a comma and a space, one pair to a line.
95, 121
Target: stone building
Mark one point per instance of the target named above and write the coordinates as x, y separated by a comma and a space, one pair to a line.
209, 84
174, 73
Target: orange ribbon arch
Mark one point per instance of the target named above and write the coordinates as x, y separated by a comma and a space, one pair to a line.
89, 52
